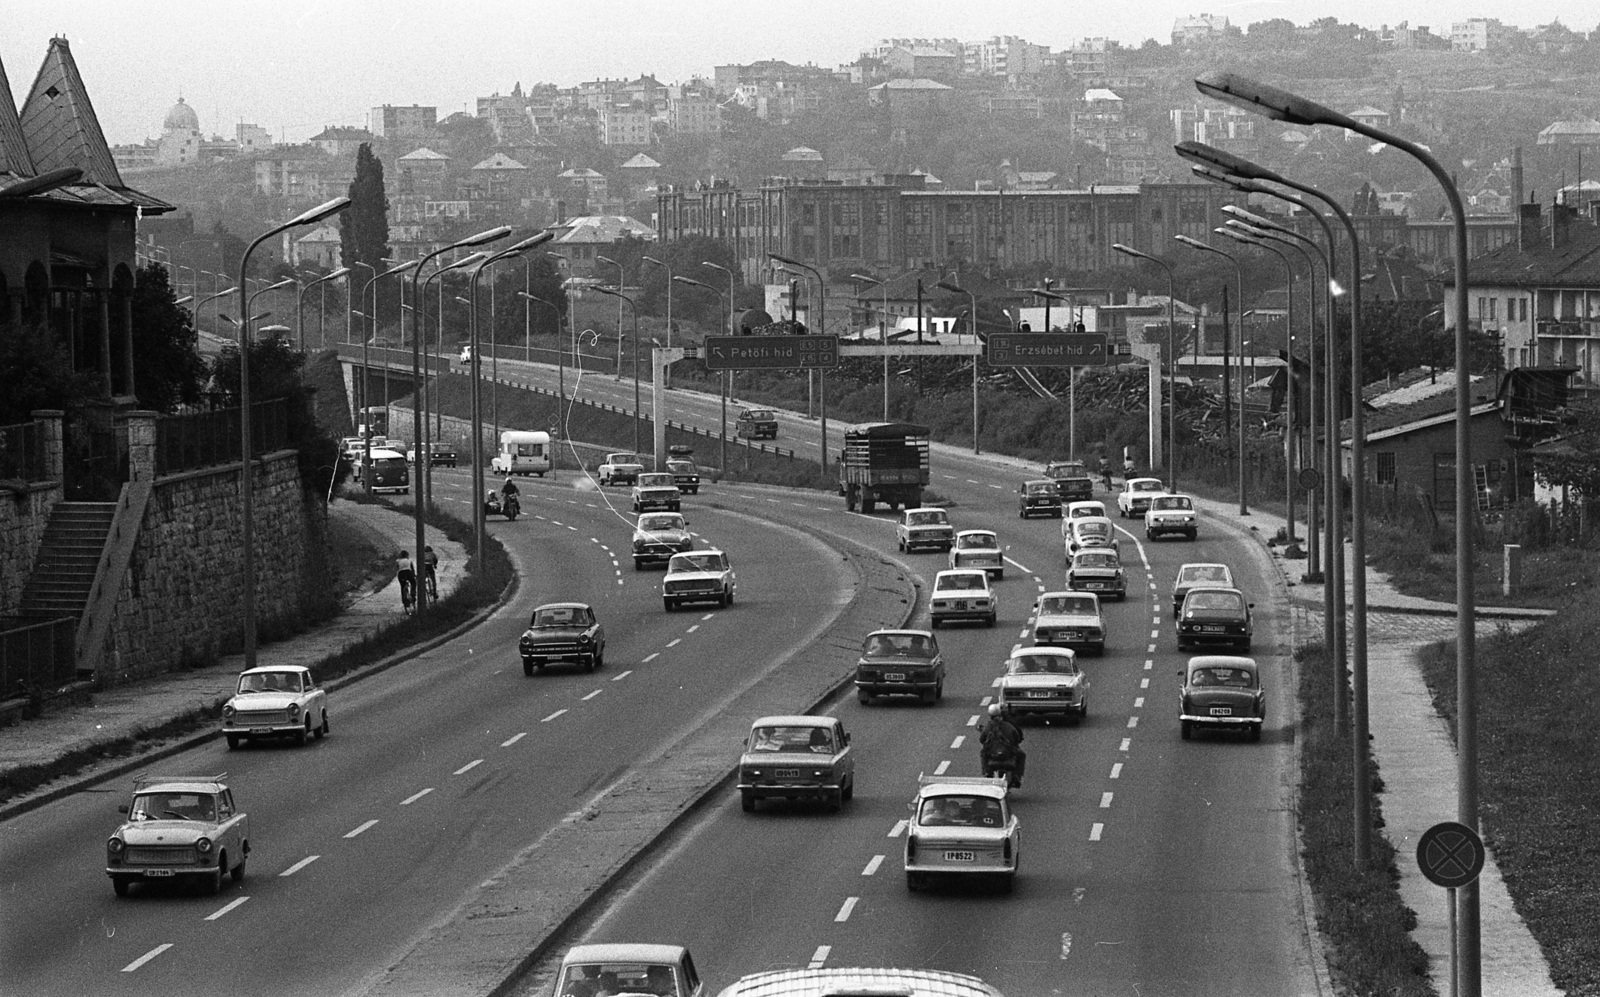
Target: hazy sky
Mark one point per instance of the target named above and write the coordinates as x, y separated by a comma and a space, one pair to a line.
295, 66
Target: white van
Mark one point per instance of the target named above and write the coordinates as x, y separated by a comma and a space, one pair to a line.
522, 453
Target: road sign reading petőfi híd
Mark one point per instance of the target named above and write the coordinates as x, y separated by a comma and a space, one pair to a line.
1450, 854
769, 352
1047, 349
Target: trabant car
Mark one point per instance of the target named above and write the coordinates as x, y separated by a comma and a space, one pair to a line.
653, 490
1098, 570
1171, 513
1083, 509
1221, 691
797, 758
1214, 616
685, 475
1044, 682
924, 527
900, 663
962, 594
1136, 494
659, 535
1088, 533
978, 549
831, 981
962, 826
1038, 497
620, 469
562, 631
1070, 619
756, 424
628, 968
179, 827
698, 576
1072, 477
1197, 574
276, 701
438, 455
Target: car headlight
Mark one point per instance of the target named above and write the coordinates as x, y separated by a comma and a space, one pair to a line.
293, 711
583, 638
115, 846
228, 710
202, 845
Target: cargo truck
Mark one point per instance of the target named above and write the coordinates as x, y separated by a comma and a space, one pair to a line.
883, 463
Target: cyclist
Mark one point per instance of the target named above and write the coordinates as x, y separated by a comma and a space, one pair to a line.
430, 565
406, 574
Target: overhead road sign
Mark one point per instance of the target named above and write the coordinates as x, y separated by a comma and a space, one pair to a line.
1047, 349
770, 352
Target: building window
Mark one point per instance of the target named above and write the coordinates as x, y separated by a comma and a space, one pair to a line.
1511, 309
1385, 460
1522, 310
1494, 309
1483, 307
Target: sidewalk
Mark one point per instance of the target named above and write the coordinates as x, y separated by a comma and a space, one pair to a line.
129, 711
1416, 756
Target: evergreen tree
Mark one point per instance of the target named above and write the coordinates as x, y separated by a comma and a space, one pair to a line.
364, 226
167, 366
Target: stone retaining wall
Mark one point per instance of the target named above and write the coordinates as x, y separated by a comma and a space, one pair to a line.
24, 514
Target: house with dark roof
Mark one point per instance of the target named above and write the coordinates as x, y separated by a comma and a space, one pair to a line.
68, 258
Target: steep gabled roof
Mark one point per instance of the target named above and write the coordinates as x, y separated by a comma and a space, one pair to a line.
14, 157
59, 123
1575, 263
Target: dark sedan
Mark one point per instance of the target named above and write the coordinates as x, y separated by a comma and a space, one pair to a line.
1038, 497
685, 475
562, 631
1221, 692
1215, 617
900, 663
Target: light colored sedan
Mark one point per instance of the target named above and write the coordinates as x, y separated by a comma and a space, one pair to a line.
1044, 682
978, 549
276, 701
962, 826
1136, 494
797, 758
1070, 619
698, 576
962, 594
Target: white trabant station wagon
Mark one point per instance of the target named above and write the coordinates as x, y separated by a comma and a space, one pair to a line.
962, 826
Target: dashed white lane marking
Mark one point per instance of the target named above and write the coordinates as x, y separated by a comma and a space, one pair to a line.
948, 477
707, 616
1147, 666
135, 964
819, 957
1138, 702
960, 738
1096, 831
653, 656
970, 481
414, 797
226, 908
1155, 635
1144, 683
360, 828
692, 629
594, 540
536, 516
898, 829
1116, 771
556, 522
1126, 742
872, 866
553, 715
997, 487
1133, 721
844, 911
972, 721
773, 501
1066, 944
591, 696
573, 528
944, 767
468, 767
619, 678
1019, 565
1023, 634
513, 739
996, 683
1151, 649
674, 642
1105, 801
299, 865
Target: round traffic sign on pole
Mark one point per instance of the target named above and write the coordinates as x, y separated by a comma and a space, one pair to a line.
1450, 854
1310, 478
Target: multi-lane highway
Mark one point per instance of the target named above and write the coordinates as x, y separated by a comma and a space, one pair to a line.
1150, 865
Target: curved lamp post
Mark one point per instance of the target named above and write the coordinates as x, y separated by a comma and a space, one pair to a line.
366, 357
246, 484
1172, 361
945, 285
822, 327
727, 304
622, 280
727, 375
1238, 269
299, 309
637, 413
561, 353
883, 331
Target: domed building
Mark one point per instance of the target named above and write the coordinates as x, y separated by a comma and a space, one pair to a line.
180, 139
181, 118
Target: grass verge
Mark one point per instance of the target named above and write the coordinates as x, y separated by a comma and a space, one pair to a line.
1359, 911
1538, 766
1422, 566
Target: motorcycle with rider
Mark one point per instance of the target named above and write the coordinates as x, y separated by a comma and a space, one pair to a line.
1000, 747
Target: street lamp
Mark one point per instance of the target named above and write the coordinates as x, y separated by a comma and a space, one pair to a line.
637, 413
822, 327
299, 308
622, 279
1072, 372
727, 375
561, 356
366, 375
668, 269
973, 299
1239, 272
727, 305
1172, 361
246, 485
883, 332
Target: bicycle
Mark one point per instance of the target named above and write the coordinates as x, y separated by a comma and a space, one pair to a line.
430, 579
407, 596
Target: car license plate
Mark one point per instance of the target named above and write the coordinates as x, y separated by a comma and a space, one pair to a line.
260, 730
1098, 585
961, 604
1211, 630
1039, 694
786, 773
894, 676
1222, 711
157, 873
1071, 635
960, 857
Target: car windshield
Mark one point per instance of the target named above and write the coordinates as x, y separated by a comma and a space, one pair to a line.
1171, 502
935, 518
1096, 559
1093, 530
624, 458
661, 522
1042, 664
597, 979
816, 740
983, 541
901, 645
1088, 510
962, 582
1067, 471
680, 467
173, 806
1214, 601
1057, 605
560, 616
269, 682
960, 811
1146, 486
1204, 574
697, 562
1229, 678
760, 413
655, 481
1041, 488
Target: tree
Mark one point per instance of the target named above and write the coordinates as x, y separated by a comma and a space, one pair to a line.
37, 372
168, 369
364, 226
277, 371
1577, 464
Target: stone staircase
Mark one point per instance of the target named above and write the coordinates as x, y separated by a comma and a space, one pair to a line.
69, 555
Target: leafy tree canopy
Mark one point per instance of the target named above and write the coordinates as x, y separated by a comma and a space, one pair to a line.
168, 369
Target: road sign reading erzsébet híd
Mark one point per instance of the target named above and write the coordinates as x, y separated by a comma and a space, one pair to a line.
1047, 349
769, 352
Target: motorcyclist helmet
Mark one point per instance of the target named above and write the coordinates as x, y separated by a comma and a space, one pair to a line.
995, 709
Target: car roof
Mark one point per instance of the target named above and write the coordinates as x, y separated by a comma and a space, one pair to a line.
826, 980
1066, 592
385, 452
1039, 481
703, 550
938, 785
1234, 589
961, 571
969, 533
1133, 481
1080, 520
1060, 652
1204, 564
624, 952
623, 453
276, 668
1221, 661
794, 720
561, 605
926, 508
908, 633
180, 783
